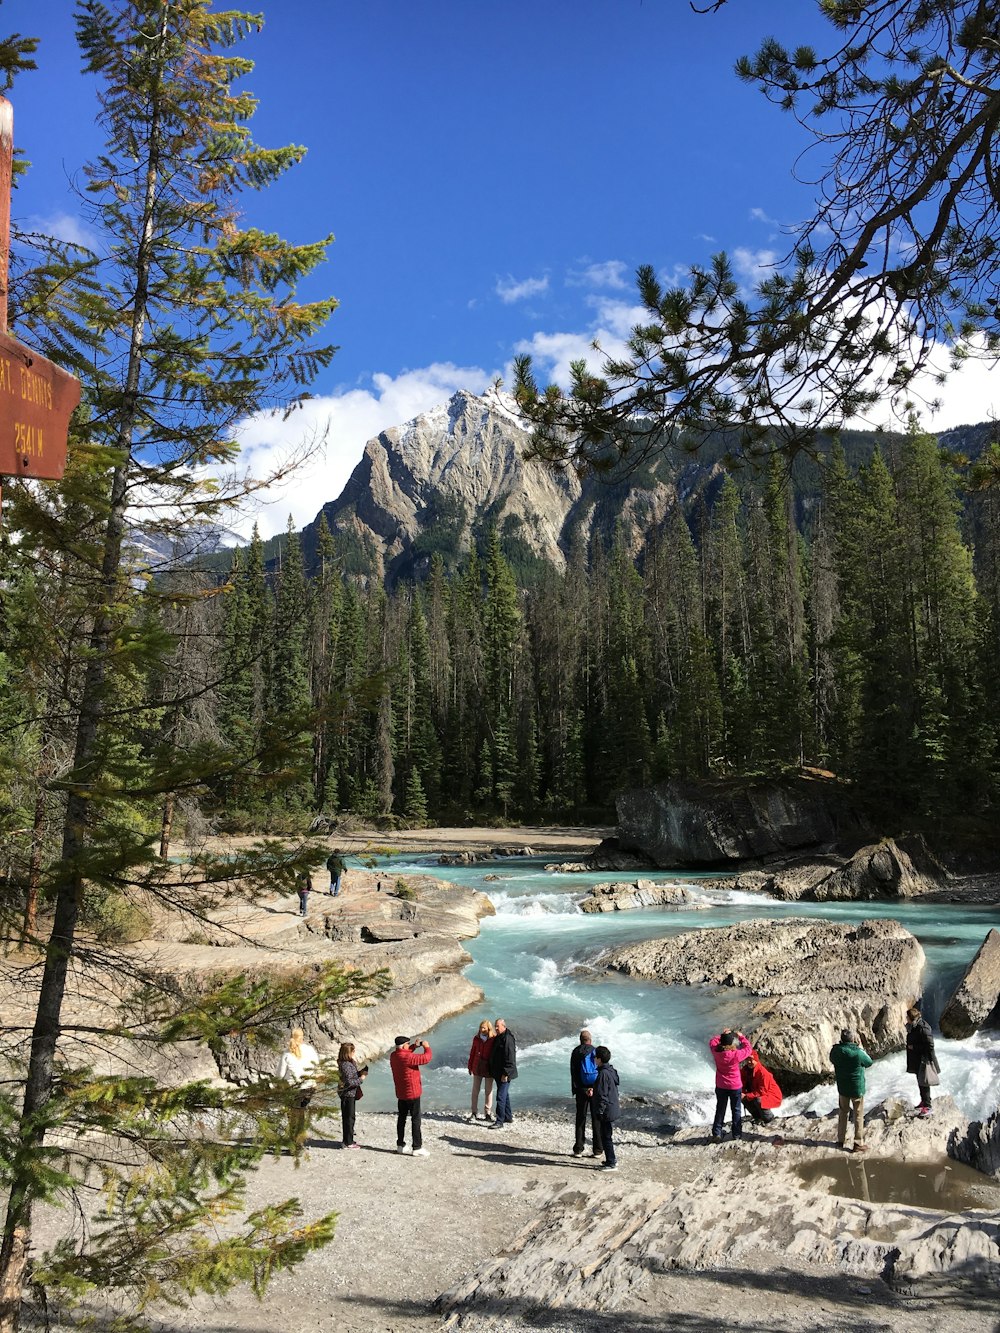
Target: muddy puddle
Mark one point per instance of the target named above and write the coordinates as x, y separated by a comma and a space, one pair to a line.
950, 1187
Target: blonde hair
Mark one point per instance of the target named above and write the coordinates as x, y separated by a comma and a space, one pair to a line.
295, 1042
346, 1051
488, 1026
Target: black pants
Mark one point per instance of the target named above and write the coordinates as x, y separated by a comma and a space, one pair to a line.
925, 1093
584, 1107
608, 1141
410, 1107
757, 1112
348, 1110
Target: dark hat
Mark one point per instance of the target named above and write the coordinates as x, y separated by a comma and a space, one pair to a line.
402, 1041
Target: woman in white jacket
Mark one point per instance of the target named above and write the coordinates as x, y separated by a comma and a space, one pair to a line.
297, 1066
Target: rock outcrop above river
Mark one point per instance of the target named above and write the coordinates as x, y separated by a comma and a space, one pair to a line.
812, 979
976, 1001
686, 824
886, 869
978, 1145
617, 897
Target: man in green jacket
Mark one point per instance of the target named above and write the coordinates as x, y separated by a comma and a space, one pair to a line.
850, 1062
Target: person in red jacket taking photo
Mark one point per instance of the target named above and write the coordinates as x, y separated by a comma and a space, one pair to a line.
405, 1062
761, 1094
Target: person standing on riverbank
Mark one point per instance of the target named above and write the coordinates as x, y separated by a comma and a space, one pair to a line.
849, 1062
405, 1065
303, 885
349, 1090
607, 1105
583, 1072
336, 867
503, 1067
920, 1057
479, 1067
729, 1049
298, 1066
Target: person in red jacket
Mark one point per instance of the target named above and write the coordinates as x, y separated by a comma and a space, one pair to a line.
405, 1065
761, 1094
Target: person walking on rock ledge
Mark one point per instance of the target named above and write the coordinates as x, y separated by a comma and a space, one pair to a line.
849, 1062
336, 867
607, 1105
503, 1067
920, 1057
729, 1049
583, 1072
405, 1065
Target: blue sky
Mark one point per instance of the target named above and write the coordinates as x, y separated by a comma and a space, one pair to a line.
493, 174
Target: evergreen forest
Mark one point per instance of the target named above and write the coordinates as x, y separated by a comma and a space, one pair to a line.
859, 639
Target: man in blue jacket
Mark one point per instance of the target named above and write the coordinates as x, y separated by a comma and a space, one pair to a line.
606, 1105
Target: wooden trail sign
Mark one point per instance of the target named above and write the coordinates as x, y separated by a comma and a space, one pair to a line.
36, 397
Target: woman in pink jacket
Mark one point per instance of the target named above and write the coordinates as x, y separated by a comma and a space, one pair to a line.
729, 1048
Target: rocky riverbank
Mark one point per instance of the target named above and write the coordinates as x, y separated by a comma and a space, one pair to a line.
501, 1232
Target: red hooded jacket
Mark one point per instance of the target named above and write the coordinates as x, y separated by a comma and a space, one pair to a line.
479, 1056
758, 1081
405, 1065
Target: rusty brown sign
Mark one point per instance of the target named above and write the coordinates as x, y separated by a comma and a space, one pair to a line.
36, 402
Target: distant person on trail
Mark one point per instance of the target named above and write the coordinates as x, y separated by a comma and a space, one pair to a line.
336, 867
479, 1067
583, 1072
608, 1108
920, 1057
761, 1094
349, 1090
849, 1062
405, 1065
298, 1066
729, 1050
303, 885
503, 1067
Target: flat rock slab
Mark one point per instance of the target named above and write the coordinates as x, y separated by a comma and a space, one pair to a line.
642, 893
814, 977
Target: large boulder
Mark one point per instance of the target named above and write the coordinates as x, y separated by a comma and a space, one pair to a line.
686, 824
813, 978
616, 897
978, 1145
885, 870
976, 1002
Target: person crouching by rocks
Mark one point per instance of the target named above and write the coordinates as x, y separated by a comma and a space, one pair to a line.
606, 1105
503, 1067
298, 1065
729, 1050
849, 1062
349, 1090
761, 1094
583, 1072
479, 1067
405, 1064
920, 1057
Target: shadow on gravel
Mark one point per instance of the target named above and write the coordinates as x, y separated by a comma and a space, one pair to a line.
505, 1151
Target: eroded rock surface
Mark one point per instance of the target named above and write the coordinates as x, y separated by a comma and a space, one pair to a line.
976, 1000
616, 897
978, 1145
678, 824
813, 977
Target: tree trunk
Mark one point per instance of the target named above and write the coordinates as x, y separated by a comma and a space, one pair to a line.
167, 825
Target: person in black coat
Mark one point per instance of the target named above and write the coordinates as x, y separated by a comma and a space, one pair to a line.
503, 1067
584, 1095
920, 1057
607, 1105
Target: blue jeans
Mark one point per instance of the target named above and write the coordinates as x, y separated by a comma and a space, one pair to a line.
335, 884
607, 1139
303, 901
733, 1098
504, 1114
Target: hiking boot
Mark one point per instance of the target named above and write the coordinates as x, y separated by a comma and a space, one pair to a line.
608, 1166
860, 1147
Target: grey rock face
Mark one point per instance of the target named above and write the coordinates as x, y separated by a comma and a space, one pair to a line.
977, 998
643, 893
687, 825
813, 977
978, 1145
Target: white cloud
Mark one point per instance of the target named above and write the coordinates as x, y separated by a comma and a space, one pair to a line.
553, 352
328, 435
758, 215
509, 289
64, 227
609, 274
754, 265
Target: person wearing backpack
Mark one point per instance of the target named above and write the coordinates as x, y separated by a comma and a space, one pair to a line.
336, 867
583, 1077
